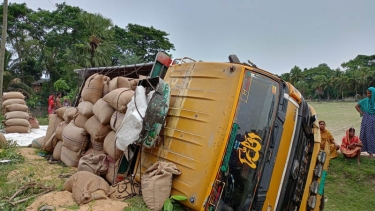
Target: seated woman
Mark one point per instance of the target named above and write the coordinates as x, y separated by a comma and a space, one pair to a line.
351, 145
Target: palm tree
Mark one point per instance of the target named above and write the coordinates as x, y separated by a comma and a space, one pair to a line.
98, 46
319, 82
296, 75
340, 83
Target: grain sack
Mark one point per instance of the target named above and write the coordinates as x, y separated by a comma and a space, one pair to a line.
38, 143
13, 101
60, 112
57, 151
17, 122
69, 114
119, 98
60, 129
17, 115
54, 121
50, 143
85, 108
111, 174
34, 122
80, 120
93, 151
103, 111
96, 130
69, 157
93, 89
95, 164
17, 107
86, 187
109, 146
116, 120
17, 129
97, 145
106, 85
119, 82
3, 140
13, 95
74, 138
156, 184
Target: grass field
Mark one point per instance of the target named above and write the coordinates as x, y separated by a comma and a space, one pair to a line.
339, 116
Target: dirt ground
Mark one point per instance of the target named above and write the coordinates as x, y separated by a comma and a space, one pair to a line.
38, 169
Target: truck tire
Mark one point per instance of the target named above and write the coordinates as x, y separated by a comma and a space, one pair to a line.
321, 208
233, 58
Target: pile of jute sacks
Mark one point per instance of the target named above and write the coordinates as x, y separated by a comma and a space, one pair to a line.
85, 136
15, 112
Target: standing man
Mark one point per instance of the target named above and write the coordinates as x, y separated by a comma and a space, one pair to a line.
326, 137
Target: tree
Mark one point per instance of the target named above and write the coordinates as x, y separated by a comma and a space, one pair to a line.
97, 47
296, 75
142, 41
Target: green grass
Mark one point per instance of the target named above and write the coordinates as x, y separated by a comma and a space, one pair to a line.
43, 120
350, 187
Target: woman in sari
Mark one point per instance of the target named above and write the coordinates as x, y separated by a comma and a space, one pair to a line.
51, 104
327, 138
366, 107
351, 145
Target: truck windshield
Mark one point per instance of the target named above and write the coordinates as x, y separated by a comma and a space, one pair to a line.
254, 118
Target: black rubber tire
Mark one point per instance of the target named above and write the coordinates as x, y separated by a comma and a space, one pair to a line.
233, 58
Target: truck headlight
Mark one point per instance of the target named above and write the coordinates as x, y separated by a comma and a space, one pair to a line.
318, 170
314, 187
312, 202
322, 156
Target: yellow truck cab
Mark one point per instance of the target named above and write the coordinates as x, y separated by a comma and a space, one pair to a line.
243, 138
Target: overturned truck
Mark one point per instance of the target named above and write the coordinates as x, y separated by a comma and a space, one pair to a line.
242, 138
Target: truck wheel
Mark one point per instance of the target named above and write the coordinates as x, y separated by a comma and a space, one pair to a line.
233, 58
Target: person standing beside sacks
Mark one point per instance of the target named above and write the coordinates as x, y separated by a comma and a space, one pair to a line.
51, 104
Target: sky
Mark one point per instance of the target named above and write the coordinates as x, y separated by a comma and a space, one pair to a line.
274, 35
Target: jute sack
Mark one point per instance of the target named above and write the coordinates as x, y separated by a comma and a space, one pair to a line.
38, 143
54, 121
50, 143
93, 151
13, 101
86, 187
116, 120
17, 115
111, 174
95, 164
103, 111
119, 98
69, 114
3, 140
96, 130
60, 112
97, 145
119, 82
57, 151
80, 120
17, 122
17, 107
60, 129
69, 157
74, 138
106, 85
17, 129
13, 95
109, 146
85, 108
156, 184
93, 89
34, 122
